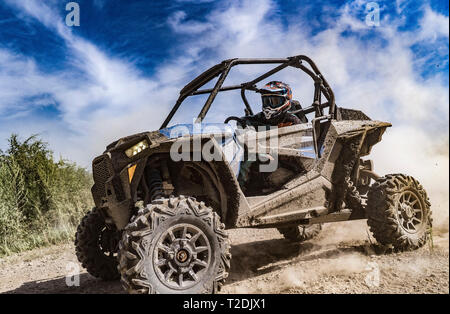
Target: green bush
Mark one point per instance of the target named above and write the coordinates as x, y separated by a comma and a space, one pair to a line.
41, 200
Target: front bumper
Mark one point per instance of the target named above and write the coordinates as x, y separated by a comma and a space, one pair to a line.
109, 192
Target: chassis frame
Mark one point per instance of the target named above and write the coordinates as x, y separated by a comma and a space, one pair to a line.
222, 69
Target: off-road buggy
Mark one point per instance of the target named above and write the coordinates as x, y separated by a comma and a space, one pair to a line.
159, 220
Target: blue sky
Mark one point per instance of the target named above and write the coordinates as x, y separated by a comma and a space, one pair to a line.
120, 71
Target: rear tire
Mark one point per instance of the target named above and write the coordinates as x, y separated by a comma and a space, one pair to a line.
300, 233
175, 245
398, 211
96, 246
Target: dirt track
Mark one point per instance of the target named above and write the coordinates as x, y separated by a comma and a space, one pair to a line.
340, 260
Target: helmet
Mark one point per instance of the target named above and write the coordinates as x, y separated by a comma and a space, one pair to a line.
276, 99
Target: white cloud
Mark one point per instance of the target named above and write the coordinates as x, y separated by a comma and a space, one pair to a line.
111, 99
377, 76
21, 81
178, 23
433, 25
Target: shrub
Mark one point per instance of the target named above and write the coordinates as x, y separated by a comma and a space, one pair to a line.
41, 200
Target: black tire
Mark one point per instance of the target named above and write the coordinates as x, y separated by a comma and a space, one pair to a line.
398, 211
96, 246
300, 233
175, 245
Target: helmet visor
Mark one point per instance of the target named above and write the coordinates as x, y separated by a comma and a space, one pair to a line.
273, 101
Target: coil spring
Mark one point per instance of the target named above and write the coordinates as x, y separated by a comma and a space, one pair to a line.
155, 185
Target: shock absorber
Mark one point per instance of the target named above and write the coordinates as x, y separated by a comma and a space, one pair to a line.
155, 184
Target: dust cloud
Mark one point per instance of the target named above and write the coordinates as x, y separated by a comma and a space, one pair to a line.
344, 264
426, 158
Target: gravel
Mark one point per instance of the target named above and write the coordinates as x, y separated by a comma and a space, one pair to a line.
341, 259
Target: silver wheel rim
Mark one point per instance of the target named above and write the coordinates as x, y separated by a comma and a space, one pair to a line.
182, 256
410, 212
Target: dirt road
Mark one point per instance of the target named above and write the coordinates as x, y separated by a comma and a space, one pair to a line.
340, 260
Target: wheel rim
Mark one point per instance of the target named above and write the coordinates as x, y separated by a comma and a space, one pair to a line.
182, 256
109, 242
410, 212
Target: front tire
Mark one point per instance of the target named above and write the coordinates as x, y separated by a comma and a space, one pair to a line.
398, 211
96, 246
175, 245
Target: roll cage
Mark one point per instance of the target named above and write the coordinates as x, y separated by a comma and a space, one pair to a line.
222, 69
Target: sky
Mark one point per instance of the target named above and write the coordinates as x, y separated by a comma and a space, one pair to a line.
120, 71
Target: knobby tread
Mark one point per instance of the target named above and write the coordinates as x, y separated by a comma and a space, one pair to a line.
88, 250
132, 247
382, 212
353, 199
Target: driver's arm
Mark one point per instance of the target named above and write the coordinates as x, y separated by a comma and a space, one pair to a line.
254, 120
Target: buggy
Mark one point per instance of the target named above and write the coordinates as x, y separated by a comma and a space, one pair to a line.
164, 199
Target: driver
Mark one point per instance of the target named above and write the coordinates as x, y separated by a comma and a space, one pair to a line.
276, 101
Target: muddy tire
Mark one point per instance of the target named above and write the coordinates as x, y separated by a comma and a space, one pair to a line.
96, 246
300, 233
398, 211
175, 245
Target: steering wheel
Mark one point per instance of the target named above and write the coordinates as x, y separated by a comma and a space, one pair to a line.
238, 120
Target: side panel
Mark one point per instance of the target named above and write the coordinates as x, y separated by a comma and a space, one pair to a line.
236, 204
302, 197
305, 201
321, 190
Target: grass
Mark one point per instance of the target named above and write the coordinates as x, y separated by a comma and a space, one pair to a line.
41, 199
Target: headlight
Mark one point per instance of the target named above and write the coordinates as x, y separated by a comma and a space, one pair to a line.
136, 149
